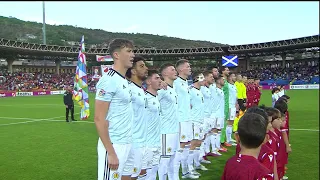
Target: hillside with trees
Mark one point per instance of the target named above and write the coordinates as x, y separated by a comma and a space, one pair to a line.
65, 35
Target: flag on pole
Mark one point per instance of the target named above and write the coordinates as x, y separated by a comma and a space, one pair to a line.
80, 89
230, 61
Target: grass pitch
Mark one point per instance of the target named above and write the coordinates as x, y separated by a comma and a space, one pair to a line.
36, 143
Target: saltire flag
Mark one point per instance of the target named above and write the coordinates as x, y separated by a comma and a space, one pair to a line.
80, 90
230, 61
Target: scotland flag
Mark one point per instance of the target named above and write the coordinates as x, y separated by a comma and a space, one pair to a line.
230, 61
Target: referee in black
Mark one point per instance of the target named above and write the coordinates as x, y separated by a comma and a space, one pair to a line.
68, 102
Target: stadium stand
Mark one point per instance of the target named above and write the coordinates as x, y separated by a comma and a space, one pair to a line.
295, 74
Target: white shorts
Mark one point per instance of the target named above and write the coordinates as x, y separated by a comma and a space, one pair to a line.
186, 133
208, 124
140, 160
125, 157
232, 114
220, 123
215, 122
197, 131
169, 144
153, 156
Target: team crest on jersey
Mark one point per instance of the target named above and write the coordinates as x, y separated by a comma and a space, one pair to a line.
135, 170
183, 137
169, 150
115, 175
101, 93
196, 135
124, 87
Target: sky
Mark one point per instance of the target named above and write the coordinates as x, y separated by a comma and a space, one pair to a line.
230, 23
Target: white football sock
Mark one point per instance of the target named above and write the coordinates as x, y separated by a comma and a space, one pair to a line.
152, 173
207, 143
229, 133
190, 160
218, 143
171, 174
163, 167
213, 142
177, 162
196, 156
184, 159
202, 152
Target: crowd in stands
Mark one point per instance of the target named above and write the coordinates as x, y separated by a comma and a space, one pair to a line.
21, 81
295, 72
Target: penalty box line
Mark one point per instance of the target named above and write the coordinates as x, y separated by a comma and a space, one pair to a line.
37, 120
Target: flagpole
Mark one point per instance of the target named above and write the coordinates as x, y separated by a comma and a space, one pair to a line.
44, 23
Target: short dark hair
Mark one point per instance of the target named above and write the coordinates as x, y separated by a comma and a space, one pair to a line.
259, 111
180, 62
223, 68
230, 75
195, 75
282, 106
212, 67
272, 112
135, 60
274, 90
206, 73
164, 66
119, 43
219, 77
283, 99
152, 72
286, 96
252, 130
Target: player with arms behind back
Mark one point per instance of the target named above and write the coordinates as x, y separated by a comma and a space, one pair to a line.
113, 115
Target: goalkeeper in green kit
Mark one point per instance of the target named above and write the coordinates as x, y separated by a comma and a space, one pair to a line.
225, 73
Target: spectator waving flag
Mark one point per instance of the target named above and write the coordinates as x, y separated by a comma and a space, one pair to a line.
80, 91
230, 61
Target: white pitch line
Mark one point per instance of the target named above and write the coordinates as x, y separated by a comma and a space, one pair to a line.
21, 122
39, 105
58, 120
31, 120
314, 130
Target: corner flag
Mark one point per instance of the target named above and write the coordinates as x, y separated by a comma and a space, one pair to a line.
80, 91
